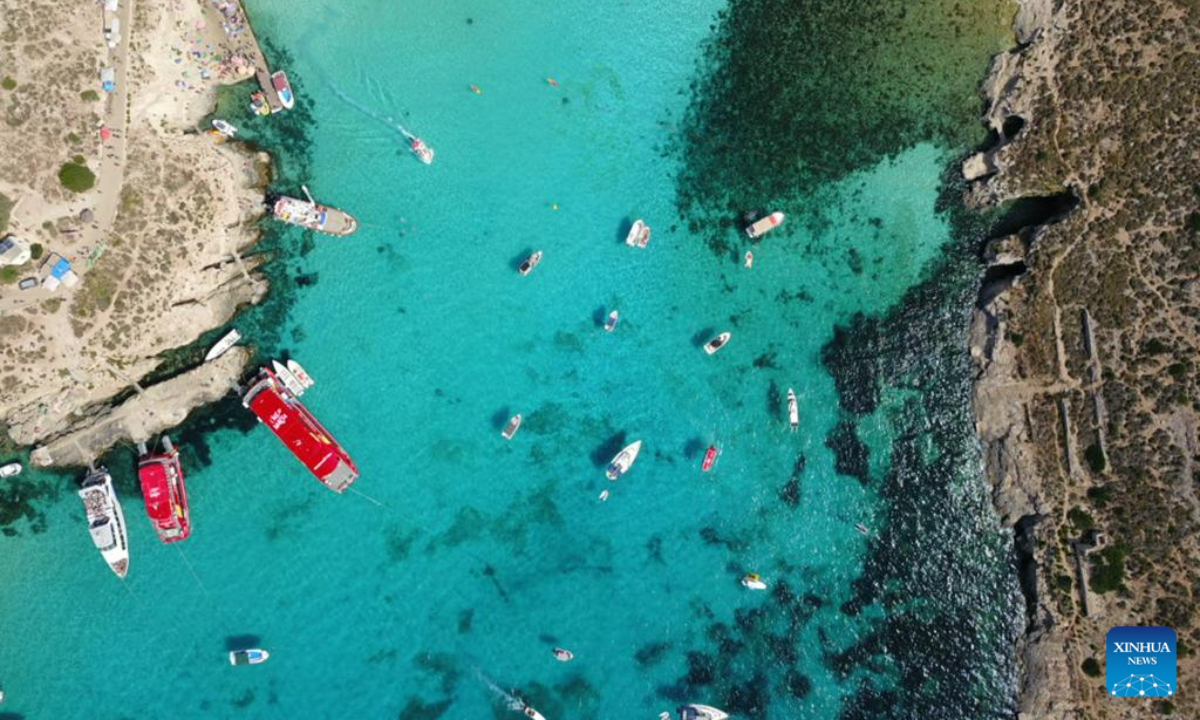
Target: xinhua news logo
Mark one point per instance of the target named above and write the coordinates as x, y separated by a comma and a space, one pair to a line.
1140, 662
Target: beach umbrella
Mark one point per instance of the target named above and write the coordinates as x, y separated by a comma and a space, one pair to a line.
87, 215
105, 133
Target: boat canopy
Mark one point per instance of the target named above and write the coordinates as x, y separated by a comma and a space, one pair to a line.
157, 491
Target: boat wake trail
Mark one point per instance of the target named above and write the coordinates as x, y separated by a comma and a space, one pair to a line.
510, 700
391, 123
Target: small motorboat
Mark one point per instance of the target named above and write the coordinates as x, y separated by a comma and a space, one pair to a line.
623, 461
701, 712
423, 152
530, 263
297, 370
563, 655
531, 713
283, 89
250, 656
639, 234
611, 323
10, 470
765, 225
603, 495
476, 89
259, 104
862, 528
290, 381
229, 340
717, 343
710, 458
754, 581
224, 128
514, 424
552, 82
793, 410
749, 259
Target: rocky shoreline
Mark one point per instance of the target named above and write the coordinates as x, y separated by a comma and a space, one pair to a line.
1083, 308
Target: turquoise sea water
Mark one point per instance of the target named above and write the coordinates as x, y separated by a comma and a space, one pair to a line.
465, 559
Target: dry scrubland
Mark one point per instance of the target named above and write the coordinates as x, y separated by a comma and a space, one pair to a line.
1095, 454
162, 273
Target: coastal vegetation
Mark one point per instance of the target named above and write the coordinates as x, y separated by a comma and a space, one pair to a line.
76, 177
6, 206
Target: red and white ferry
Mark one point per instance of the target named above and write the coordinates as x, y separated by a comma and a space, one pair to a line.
295, 426
166, 497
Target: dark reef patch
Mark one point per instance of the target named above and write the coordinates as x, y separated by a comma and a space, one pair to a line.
418, 709
851, 455
652, 654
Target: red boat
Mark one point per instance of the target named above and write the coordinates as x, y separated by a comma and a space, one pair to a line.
710, 458
166, 497
293, 424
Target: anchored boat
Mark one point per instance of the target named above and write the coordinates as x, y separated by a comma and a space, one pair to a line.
224, 128
563, 655
511, 428
290, 381
639, 234
765, 225
161, 476
313, 216
793, 410
279, 409
710, 458
297, 370
716, 343
611, 323
530, 263
229, 340
283, 89
754, 582
623, 461
106, 522
251, 656
10, 470
701, 712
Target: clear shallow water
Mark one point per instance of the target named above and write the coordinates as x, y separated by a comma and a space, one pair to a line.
481, 555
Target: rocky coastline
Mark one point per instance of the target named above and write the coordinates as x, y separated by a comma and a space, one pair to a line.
1085, 398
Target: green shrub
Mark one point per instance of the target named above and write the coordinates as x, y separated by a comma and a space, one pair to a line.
1164, 707
1177, 370
6, 206
8, 83
9, 275
1095, 458
36, 250
89, 96
1193, 222
1063, 582
1091, 668
79, 160
1155, 347
1100, 495
1108, 569
74, 139
1016, 338
76, 177
1080, 519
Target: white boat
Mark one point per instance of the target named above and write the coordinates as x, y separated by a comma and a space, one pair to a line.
106, 522
765, 225
793, 410
603, 495
531, 713
754, 581
639, 234
612, 321
862, 528
701, 712
749, 259
283, 89
514, 424
226, 129
563, 655
10, 470
250, 656
290, 381
530, 263
423, 152
623, 461
717, 343
223, 345
300, 374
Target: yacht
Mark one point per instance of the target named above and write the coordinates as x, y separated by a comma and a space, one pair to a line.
623, 461
229, 340
106, 522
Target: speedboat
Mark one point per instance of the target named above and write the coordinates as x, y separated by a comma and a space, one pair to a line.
531, 713
106, 522
765, 225
701, 712
623, 461
514, 424
224, 128
290, 381
161, 476
793, 410
710, 458
283, 89
259, 104
423, 152
563, 655
611, 322
250, 656
530, 263
223, 345
10, 470
754, 581
297, 370
716, 343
